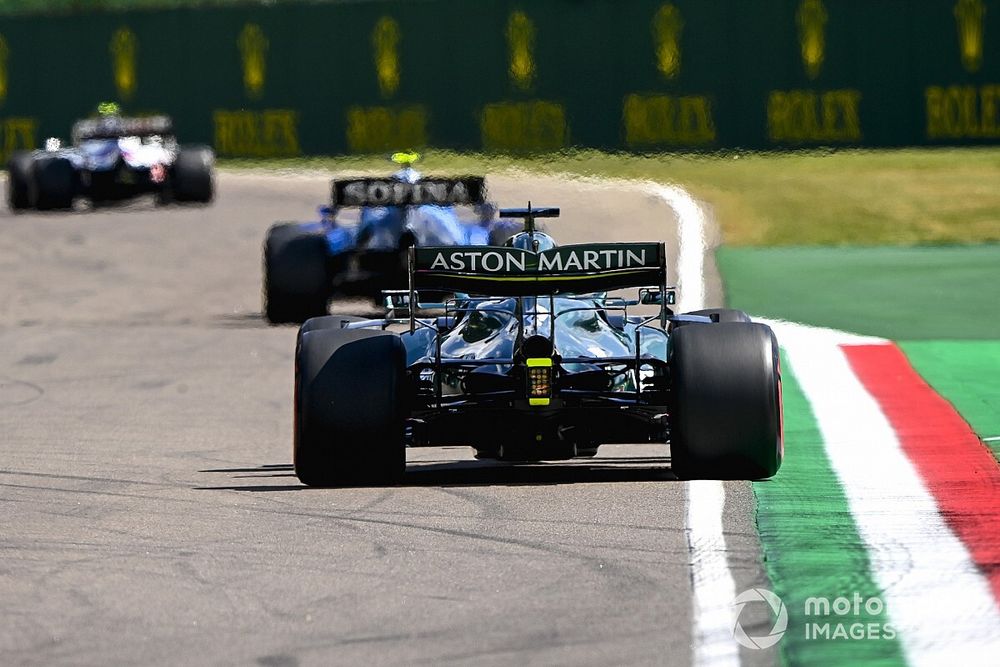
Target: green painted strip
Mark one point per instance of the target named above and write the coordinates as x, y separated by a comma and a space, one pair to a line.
902, 293
812, 547
966, 373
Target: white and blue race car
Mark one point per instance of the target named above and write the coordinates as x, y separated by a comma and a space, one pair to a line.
111, 158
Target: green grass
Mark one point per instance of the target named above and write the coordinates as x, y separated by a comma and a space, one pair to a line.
885, 197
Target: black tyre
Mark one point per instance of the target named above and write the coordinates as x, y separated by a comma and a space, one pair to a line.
296, 280
723, 314
327, 322
192, 175
20, 173
54, 183
725, 401
322, 323
349, 408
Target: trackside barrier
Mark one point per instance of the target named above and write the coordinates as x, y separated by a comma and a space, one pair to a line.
497, 75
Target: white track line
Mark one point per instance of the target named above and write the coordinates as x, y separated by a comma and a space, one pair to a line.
691, 244
817, 335
713, 586
939, 603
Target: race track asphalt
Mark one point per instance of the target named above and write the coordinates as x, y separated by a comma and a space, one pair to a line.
149, 513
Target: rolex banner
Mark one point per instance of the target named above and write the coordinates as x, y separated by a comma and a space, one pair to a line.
513, 77
578, 269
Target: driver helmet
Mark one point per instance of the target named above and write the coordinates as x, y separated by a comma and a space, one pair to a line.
531, 241
405, 159
105, 109
109, 116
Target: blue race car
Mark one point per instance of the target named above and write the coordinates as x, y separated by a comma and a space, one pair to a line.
308, 263
111, 158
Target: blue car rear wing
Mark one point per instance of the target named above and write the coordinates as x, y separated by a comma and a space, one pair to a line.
502, 271
464, 191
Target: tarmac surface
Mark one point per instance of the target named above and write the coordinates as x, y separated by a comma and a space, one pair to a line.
149, 513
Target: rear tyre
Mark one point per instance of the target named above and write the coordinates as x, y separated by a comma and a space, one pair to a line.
54, 183
723, 314
349, 408
327, 322
725, 402
336, 322
296, 280
192, 179
20, 173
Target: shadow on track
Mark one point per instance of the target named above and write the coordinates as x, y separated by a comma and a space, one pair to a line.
248, 320
477, 473
83, 207
255, 320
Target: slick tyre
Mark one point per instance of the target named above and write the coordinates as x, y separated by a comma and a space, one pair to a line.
54, 183
336, 322
725, 406
327, 322
723, 314
349, 408
20, 174
192, 178
296, 279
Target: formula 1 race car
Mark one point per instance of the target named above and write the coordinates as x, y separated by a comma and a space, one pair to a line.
111, 158
541, 364
307, 264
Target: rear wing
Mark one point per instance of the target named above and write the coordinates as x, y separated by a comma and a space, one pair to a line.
116, 127
465, 191
496, 271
